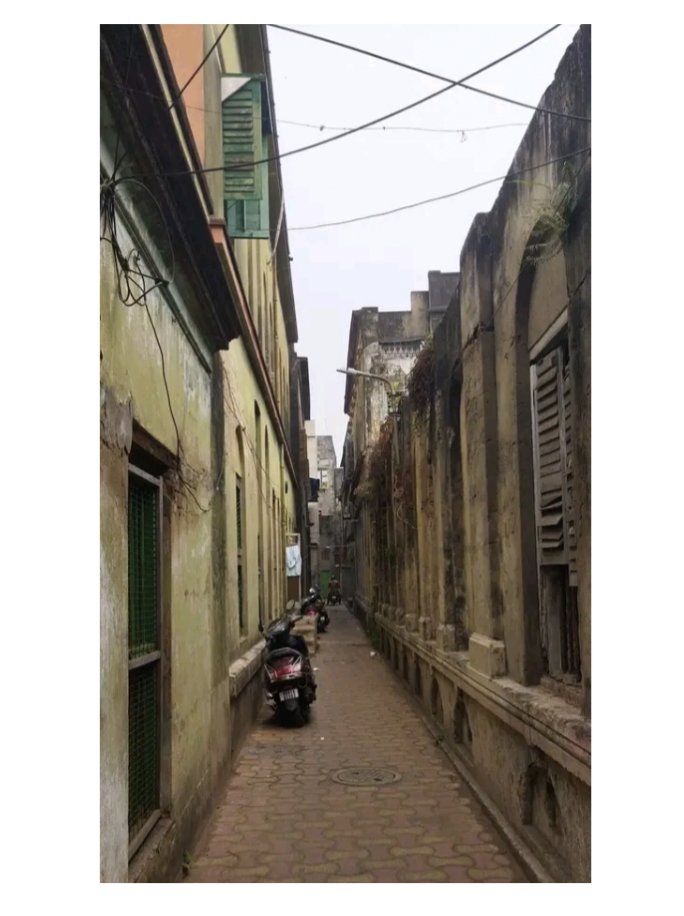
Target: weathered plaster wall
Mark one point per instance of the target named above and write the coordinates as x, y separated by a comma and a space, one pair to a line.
454, 491
211, 683
131, 373
261, 478
113, 660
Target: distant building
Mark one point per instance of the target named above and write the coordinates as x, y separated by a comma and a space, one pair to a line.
385, 344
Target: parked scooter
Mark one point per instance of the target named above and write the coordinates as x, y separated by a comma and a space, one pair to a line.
314, 606
288, 675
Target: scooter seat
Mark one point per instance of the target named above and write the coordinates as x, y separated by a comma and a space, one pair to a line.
288, 650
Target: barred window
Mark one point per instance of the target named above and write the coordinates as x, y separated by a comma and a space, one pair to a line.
239, 533
144, 654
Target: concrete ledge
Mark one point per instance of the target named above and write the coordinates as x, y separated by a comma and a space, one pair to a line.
425, 628
245, 668
446, 637
487, 656
556, 727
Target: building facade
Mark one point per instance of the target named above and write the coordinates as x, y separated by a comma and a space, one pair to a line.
300, 398
328, 513
383, 346
472, 498
199, 486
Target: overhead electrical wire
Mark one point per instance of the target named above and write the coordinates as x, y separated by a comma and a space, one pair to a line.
437, 76
430, 200
431, 130
435, 130
385, 117
205, 59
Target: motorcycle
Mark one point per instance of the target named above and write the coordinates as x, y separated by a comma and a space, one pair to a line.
334, 595
288, 675
314, 606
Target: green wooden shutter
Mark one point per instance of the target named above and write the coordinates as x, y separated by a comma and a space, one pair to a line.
249, 219
242, 141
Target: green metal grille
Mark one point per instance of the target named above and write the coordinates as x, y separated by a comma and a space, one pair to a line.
238, 531
143, 567
143, 746
238, 511
241, 611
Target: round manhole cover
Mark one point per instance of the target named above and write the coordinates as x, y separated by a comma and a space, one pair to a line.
365, 776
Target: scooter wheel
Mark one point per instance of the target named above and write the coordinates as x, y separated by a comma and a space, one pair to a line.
294, 718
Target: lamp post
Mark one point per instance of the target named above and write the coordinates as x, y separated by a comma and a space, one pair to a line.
380, 378
392, 396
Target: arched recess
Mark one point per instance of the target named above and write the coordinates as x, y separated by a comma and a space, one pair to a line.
463, 735
544, 416
417, 678
436, 706
454, 515
540, 310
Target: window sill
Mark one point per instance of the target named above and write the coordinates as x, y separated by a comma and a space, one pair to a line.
144, 864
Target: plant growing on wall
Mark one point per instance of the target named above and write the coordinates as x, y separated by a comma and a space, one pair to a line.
380, 455
421, 380
551, 220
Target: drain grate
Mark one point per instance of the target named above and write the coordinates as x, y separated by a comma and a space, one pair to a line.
365, 776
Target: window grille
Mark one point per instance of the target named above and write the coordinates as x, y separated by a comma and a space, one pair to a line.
238, 527
144, 654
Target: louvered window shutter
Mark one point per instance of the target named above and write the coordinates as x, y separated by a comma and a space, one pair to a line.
549, 447
569, 477
245, 185
241, 121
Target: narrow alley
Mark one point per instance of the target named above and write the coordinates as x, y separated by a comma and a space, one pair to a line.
309, 399
287, 814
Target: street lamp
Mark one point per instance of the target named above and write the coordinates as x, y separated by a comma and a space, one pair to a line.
380, 378
392, 395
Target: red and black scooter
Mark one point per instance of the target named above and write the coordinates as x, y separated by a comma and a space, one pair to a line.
288, 675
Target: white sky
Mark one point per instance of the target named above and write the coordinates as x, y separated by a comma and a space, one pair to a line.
379, 262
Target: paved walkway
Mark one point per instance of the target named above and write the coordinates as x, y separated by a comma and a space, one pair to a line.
283, 818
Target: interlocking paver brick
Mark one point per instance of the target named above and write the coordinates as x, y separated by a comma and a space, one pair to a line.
424, 876
282, 818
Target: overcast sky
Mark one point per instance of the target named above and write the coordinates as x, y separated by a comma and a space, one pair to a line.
379, 262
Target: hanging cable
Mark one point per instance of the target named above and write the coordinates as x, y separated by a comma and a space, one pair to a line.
430, 130
206, 58
217, 111
385, 117
430, 200
444, 79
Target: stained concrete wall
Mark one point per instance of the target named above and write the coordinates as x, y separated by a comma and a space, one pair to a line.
133, 389
451, 498
212, 675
